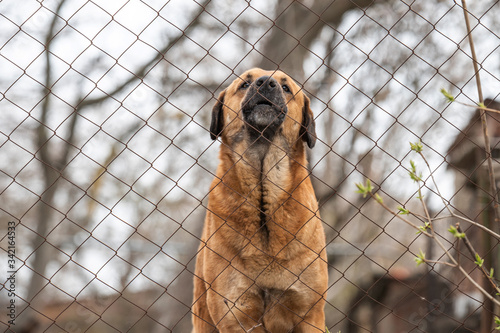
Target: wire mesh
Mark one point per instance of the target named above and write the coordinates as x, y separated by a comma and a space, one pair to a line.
106, 159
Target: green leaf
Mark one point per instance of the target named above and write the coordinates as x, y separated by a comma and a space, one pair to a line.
448, 96
497, 323
413, 172
424, 228
417, 146
413, 166
379, 198
454, 231
361, 188
420, 258
365, 189
492, 272
479, 261
403, 211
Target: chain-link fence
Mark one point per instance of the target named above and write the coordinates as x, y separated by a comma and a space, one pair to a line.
106, 161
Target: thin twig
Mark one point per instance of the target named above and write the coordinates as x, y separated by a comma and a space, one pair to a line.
473, 52
254, 327
473, 253
467, 276
424, 206
447, 206
441, 263
435, 183
478, 107
487, 146
467, 243
484, 292
399, 216
466, 240
486, 317
453, 261
453, 215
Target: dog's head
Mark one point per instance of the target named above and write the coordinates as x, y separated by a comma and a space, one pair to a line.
262, 104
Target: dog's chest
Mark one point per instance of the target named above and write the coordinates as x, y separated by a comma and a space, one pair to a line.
271, 273
275, 174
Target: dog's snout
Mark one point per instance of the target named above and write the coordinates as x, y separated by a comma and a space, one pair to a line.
266, 83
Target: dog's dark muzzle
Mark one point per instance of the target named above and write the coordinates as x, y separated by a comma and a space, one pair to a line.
264, 107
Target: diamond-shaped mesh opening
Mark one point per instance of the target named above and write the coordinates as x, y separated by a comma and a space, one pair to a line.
107, 164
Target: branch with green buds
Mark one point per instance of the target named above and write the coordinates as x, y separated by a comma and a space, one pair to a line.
367, 189
454, 231
450, 99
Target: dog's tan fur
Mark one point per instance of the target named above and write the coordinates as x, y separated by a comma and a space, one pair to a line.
262, 262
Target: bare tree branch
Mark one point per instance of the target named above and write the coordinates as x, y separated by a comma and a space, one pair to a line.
295, 29
486, 316
52, 167
138, 76
146, 68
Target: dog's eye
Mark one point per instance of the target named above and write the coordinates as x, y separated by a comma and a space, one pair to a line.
244, 85
286, 88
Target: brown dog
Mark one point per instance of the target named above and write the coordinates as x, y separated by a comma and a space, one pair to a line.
262, 265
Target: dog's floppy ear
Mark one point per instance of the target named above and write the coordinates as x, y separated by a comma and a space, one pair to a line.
217, 117
308, 127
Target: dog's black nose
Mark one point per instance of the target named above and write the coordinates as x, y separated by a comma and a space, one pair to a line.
266, 83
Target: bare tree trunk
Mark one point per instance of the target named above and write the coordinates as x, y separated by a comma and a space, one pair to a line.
53, 166
50, 175
296, 28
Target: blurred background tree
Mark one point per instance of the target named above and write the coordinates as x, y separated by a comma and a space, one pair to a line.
106, 159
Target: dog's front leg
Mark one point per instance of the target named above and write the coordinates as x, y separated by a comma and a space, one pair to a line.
314, 322
240, 309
